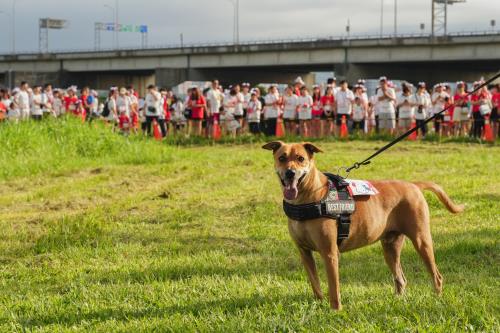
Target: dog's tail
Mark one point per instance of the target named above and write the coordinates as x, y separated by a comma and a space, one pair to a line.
441, 194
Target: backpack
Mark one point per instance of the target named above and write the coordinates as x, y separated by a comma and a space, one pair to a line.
105, 110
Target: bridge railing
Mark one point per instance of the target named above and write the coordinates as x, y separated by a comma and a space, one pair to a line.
270, 41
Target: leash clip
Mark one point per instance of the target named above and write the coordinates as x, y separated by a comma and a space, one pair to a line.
346, 170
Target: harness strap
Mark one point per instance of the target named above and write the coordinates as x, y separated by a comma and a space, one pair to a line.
315, 210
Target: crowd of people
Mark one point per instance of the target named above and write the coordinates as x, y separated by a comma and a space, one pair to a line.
319, 111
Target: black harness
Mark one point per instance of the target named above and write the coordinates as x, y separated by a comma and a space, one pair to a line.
338, 204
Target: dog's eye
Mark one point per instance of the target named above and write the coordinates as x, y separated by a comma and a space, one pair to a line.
301, 159
282, 159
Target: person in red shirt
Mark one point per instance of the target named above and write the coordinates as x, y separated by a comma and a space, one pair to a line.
317, 113
84, 102
480, 98
495, 101
461, 109
124, 123
328, 104
71, 101
198, 105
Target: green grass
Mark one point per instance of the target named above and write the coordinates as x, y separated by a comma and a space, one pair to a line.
103, 233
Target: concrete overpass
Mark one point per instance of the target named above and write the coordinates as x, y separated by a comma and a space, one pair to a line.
432, 59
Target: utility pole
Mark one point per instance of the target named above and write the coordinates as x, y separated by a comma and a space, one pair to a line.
13, 26
395, 18
381, 18
117, 41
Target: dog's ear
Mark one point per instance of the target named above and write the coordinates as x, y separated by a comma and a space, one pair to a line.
311, 149
274, 146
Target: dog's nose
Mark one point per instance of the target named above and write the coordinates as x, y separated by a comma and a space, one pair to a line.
290, 174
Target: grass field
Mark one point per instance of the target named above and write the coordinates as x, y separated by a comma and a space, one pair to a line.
101, 233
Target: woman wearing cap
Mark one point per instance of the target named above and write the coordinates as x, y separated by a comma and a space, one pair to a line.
423, 104
152, 105
481, 109
197, 104
328, 105
439, 99
461, 111
317, 113
230, 102
406, 102
271, 110
290, 105
305, 112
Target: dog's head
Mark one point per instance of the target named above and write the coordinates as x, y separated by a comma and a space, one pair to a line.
293, 162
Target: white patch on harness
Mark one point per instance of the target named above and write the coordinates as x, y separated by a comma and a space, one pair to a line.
361, 187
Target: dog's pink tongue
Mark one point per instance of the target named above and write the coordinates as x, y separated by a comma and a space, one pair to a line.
290, 192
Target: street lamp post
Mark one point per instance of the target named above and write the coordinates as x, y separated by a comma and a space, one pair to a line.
381, 18
115, 21
236, 22
395, 18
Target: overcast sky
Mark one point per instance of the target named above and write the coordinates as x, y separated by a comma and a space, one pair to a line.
212, 20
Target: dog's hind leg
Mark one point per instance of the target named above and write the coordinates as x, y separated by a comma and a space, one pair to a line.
312, 273
392, 245
423, 244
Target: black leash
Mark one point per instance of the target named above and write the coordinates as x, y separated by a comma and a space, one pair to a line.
357, 165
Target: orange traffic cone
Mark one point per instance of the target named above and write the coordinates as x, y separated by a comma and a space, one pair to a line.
488, 132
413, 135
344, 133
279, 128
84, 115
156, 131
217, 130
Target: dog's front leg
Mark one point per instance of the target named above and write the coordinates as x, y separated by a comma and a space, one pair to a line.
312, 273
331, 258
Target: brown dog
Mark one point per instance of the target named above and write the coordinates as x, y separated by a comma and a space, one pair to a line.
398, 210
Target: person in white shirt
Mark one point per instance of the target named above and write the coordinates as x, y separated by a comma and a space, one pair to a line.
290, 105
239, 112
358, 114
47, 99
271, 110
215, 99
152, 107
112, 116
406, 103
439, 99
423, 103
332, 83
57, 104
14, 113
230, 104
305, 112
254, 109
36, 104
23, 101
343, 99
386, 104
178, 119
245, 92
